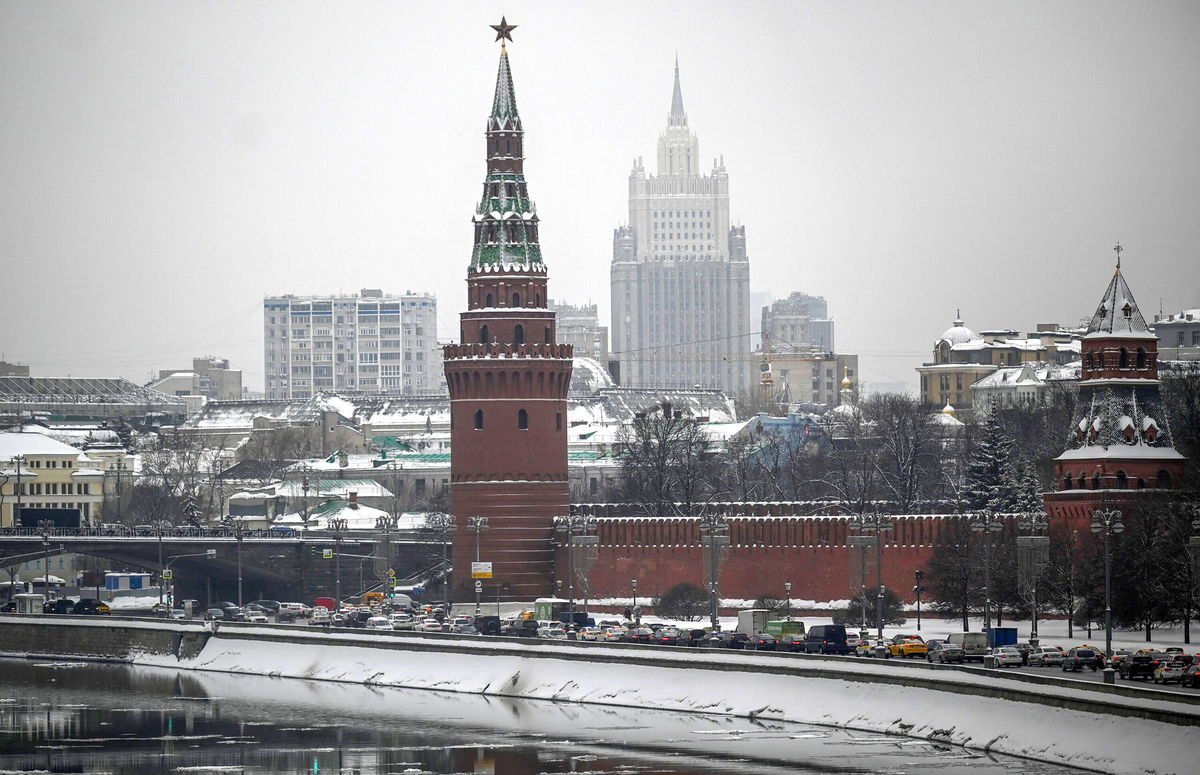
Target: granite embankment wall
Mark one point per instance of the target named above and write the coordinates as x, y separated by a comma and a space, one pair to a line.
104, 639
1099, 727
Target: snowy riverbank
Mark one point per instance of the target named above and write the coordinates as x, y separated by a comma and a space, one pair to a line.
952, 707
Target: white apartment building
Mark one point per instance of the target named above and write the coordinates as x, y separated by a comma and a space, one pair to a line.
370, 342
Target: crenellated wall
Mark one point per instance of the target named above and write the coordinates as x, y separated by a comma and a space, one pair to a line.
811, 552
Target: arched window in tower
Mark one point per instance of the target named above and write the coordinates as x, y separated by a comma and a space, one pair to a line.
549, 338
1164, 479
478, 419
537, 300
1123, 359
519, 334
483, 334
1141, 358
488, 301
1067, 481
1088, 361
1096, 481
1122, 480
522, 420
516, 300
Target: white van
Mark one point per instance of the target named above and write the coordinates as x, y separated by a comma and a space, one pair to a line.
974, 644
379, 623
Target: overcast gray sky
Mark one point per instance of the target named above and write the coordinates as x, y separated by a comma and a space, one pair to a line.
163, 165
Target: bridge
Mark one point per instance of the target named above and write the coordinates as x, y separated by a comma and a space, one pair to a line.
273, 564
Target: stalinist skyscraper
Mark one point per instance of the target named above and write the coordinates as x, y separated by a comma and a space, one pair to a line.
680, 274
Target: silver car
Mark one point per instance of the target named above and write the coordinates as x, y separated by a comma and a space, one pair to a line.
1044, 656
1007, 656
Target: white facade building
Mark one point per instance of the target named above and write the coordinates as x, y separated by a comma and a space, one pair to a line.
680, 274
370, 342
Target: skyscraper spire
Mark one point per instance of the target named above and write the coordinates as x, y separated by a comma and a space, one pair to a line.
678, 117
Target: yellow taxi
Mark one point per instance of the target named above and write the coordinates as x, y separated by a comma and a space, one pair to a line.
908, 646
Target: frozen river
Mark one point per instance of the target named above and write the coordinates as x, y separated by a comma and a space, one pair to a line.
95, 718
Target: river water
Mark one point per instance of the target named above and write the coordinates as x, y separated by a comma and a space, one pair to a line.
100, 718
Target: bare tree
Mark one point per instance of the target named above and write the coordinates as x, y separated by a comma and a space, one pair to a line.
906, 439
666, 464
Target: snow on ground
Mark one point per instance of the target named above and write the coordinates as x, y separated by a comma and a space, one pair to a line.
740, 684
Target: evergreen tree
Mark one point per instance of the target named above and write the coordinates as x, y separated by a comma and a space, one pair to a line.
991, 477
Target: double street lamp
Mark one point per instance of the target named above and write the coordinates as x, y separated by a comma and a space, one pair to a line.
478, 524
337, 526
714, 534
1033, 554
875, 524
577, 528
987, 522
442, 525
1107, 522
787, 598
239, 534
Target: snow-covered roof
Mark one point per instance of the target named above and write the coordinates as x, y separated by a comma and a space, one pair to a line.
12, 444
588, 376
958, 334
1118, 315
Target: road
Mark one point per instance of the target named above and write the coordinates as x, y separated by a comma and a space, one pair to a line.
1098, 677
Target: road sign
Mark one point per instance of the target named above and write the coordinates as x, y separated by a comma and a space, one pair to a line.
327, 554
168, 574
391, 573
391, 583
481, 570
478, 586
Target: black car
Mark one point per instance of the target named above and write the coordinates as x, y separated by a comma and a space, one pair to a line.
90, 607
267, 606
793, 641
761, 642
692, 638
727, 640
1191, 676
1140, 665
826, 639
60, 606
1078, 658
520, 628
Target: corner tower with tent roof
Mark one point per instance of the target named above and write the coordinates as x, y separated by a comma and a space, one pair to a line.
1119, 448
508, 381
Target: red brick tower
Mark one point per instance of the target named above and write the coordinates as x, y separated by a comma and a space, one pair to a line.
1120, 445
508, 382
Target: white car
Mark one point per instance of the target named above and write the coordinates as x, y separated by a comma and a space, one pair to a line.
430, 625
1007, 656
299, 609
553, 633
1043, 656
257, 617
402, 621
379, 623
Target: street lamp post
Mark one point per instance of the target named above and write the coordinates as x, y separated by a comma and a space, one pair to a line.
337, 526
1108, 523
634, 611
1033, 554
875, 524
443, 525
572, 525
918, 588
714, 534
987, 522
46, 525
1193, 573
478, 524
787, 589
239, 534
17, 520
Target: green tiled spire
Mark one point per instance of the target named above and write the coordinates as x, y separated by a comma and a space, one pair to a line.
506, 222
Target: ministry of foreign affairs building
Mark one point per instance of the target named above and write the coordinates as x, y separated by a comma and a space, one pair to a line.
680, 274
